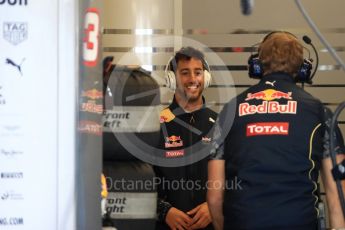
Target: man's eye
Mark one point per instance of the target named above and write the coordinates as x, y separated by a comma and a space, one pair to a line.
184, 73
198, 73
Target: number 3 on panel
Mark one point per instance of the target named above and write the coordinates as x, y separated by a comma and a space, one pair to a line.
91, 37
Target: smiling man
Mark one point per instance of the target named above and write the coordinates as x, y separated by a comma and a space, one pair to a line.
186, 127
190, 83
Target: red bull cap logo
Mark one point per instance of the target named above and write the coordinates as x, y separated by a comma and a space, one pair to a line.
269, 95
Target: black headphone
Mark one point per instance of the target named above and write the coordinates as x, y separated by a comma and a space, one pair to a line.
170, 78
255, 67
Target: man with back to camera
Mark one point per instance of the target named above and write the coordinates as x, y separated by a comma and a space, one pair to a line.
185, 207
275, 148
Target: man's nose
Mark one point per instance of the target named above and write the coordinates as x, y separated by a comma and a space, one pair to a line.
193, 76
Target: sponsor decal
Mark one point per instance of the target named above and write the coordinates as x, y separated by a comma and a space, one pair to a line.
14, 2
268, 95
166, 115
11, 221
93, 94
175, 153
268, 107
173, 141
2, 98
267, 128
15, 32
271, 83
92, 107
10, 152
206, 139
162, 119
7, 130
90, 127
12, 175
11, 195
15, 65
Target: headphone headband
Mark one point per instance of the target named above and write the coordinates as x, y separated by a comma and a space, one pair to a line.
255, 66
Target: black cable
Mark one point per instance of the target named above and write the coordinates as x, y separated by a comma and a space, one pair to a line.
333, 153
319, 35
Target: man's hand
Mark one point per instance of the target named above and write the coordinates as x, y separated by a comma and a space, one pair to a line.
177, 220
201, 216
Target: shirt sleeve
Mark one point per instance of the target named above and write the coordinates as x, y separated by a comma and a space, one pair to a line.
338, 137
217, 147
162, 209
222, 129
163, 206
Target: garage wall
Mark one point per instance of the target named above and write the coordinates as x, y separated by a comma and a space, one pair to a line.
222, 30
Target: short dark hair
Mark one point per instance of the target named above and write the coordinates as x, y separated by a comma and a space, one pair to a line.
186, 53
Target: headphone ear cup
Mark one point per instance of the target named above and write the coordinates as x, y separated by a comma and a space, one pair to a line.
255, 69
170, 79
304, 72
207, 79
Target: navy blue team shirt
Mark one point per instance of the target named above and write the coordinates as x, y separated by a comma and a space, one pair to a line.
273, 151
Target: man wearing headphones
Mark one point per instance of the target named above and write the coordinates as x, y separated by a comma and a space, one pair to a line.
186, 127
275, 148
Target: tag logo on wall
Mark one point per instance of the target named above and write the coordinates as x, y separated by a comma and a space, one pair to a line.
15, 32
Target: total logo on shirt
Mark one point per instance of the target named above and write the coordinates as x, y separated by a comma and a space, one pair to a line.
173, 154
267, 128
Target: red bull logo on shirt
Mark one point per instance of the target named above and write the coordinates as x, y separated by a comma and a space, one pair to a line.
268, 95
268, 105
173, 141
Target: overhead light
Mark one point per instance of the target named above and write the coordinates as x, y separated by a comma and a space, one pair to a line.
143, 31
143, 49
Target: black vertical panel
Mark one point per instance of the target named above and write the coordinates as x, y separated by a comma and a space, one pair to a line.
89, 146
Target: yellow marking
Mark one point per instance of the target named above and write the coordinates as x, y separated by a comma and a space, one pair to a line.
313, 166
